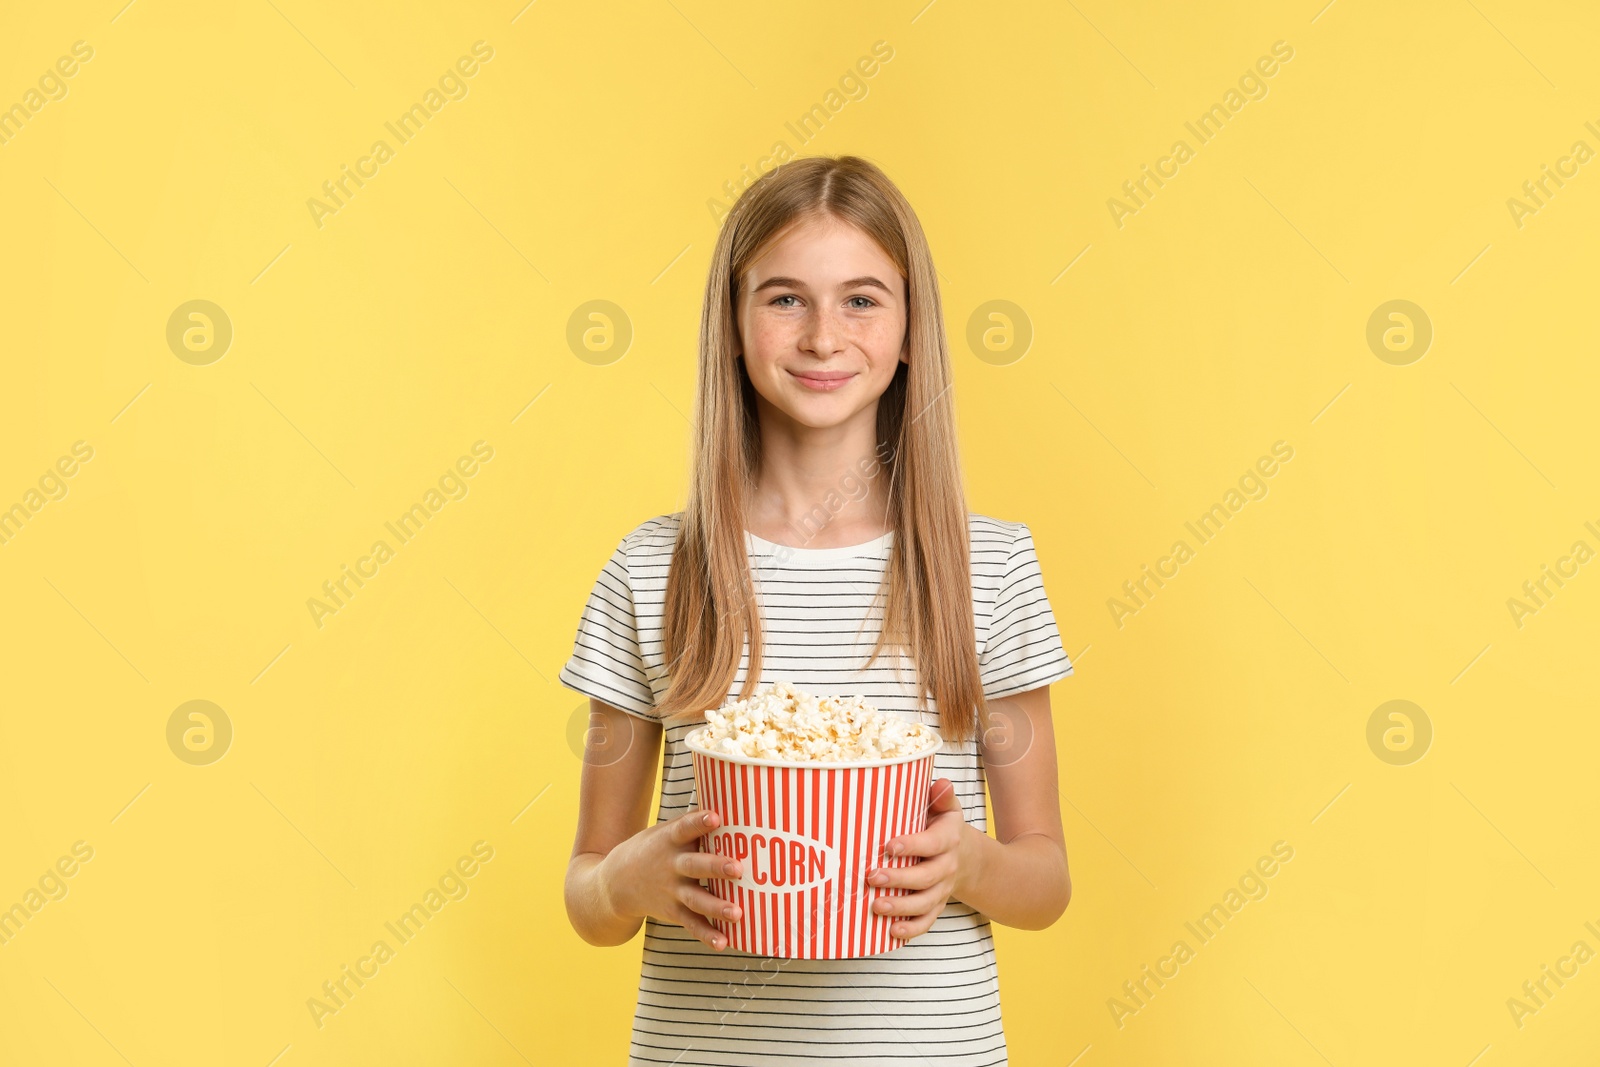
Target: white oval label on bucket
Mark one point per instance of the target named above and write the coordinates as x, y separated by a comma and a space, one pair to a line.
772, 861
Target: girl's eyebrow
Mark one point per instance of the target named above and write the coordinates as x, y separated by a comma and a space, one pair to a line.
795, 283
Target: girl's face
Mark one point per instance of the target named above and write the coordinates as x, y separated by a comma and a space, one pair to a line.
822, 324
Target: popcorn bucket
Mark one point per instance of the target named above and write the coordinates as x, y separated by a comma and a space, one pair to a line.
805, 834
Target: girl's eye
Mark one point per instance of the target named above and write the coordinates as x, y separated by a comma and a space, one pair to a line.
866, 301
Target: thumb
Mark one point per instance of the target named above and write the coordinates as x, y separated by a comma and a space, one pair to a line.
942, 796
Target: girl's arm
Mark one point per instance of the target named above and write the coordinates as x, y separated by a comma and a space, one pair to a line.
622, 871
1018, 877
613, 805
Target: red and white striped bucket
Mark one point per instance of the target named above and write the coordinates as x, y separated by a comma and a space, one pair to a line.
805, 835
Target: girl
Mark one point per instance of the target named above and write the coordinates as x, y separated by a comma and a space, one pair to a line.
825, 541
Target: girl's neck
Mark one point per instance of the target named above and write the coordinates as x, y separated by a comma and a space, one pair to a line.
824, 488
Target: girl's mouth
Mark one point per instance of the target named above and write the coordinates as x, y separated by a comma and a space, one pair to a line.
823, 381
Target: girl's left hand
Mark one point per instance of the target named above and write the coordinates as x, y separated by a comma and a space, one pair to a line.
934, 879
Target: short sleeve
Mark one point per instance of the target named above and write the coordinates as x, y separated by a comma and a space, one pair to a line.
606, 660
1024, 649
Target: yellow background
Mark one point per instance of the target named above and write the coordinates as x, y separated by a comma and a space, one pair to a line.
369, 353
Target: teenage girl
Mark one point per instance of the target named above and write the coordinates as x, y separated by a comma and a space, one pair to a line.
825, 541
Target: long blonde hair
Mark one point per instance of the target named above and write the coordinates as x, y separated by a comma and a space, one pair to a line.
927, 588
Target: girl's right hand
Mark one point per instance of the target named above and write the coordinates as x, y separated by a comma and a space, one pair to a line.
656, 873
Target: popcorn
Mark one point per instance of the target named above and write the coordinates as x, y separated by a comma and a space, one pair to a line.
780, 722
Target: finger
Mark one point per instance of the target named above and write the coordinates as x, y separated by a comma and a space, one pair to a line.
687, 827
910, 904
943, 799
706, 865
706, 903
909, 928
913, 876
929, 842
698, 927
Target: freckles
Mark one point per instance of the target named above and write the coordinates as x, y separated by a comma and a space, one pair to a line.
879, 338
766, 334
891, 332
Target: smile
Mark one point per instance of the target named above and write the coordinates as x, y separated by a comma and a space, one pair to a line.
823, 384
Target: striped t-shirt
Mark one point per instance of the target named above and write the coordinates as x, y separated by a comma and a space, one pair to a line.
935, 1000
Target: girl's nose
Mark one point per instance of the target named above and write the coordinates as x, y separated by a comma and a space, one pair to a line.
824, 333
